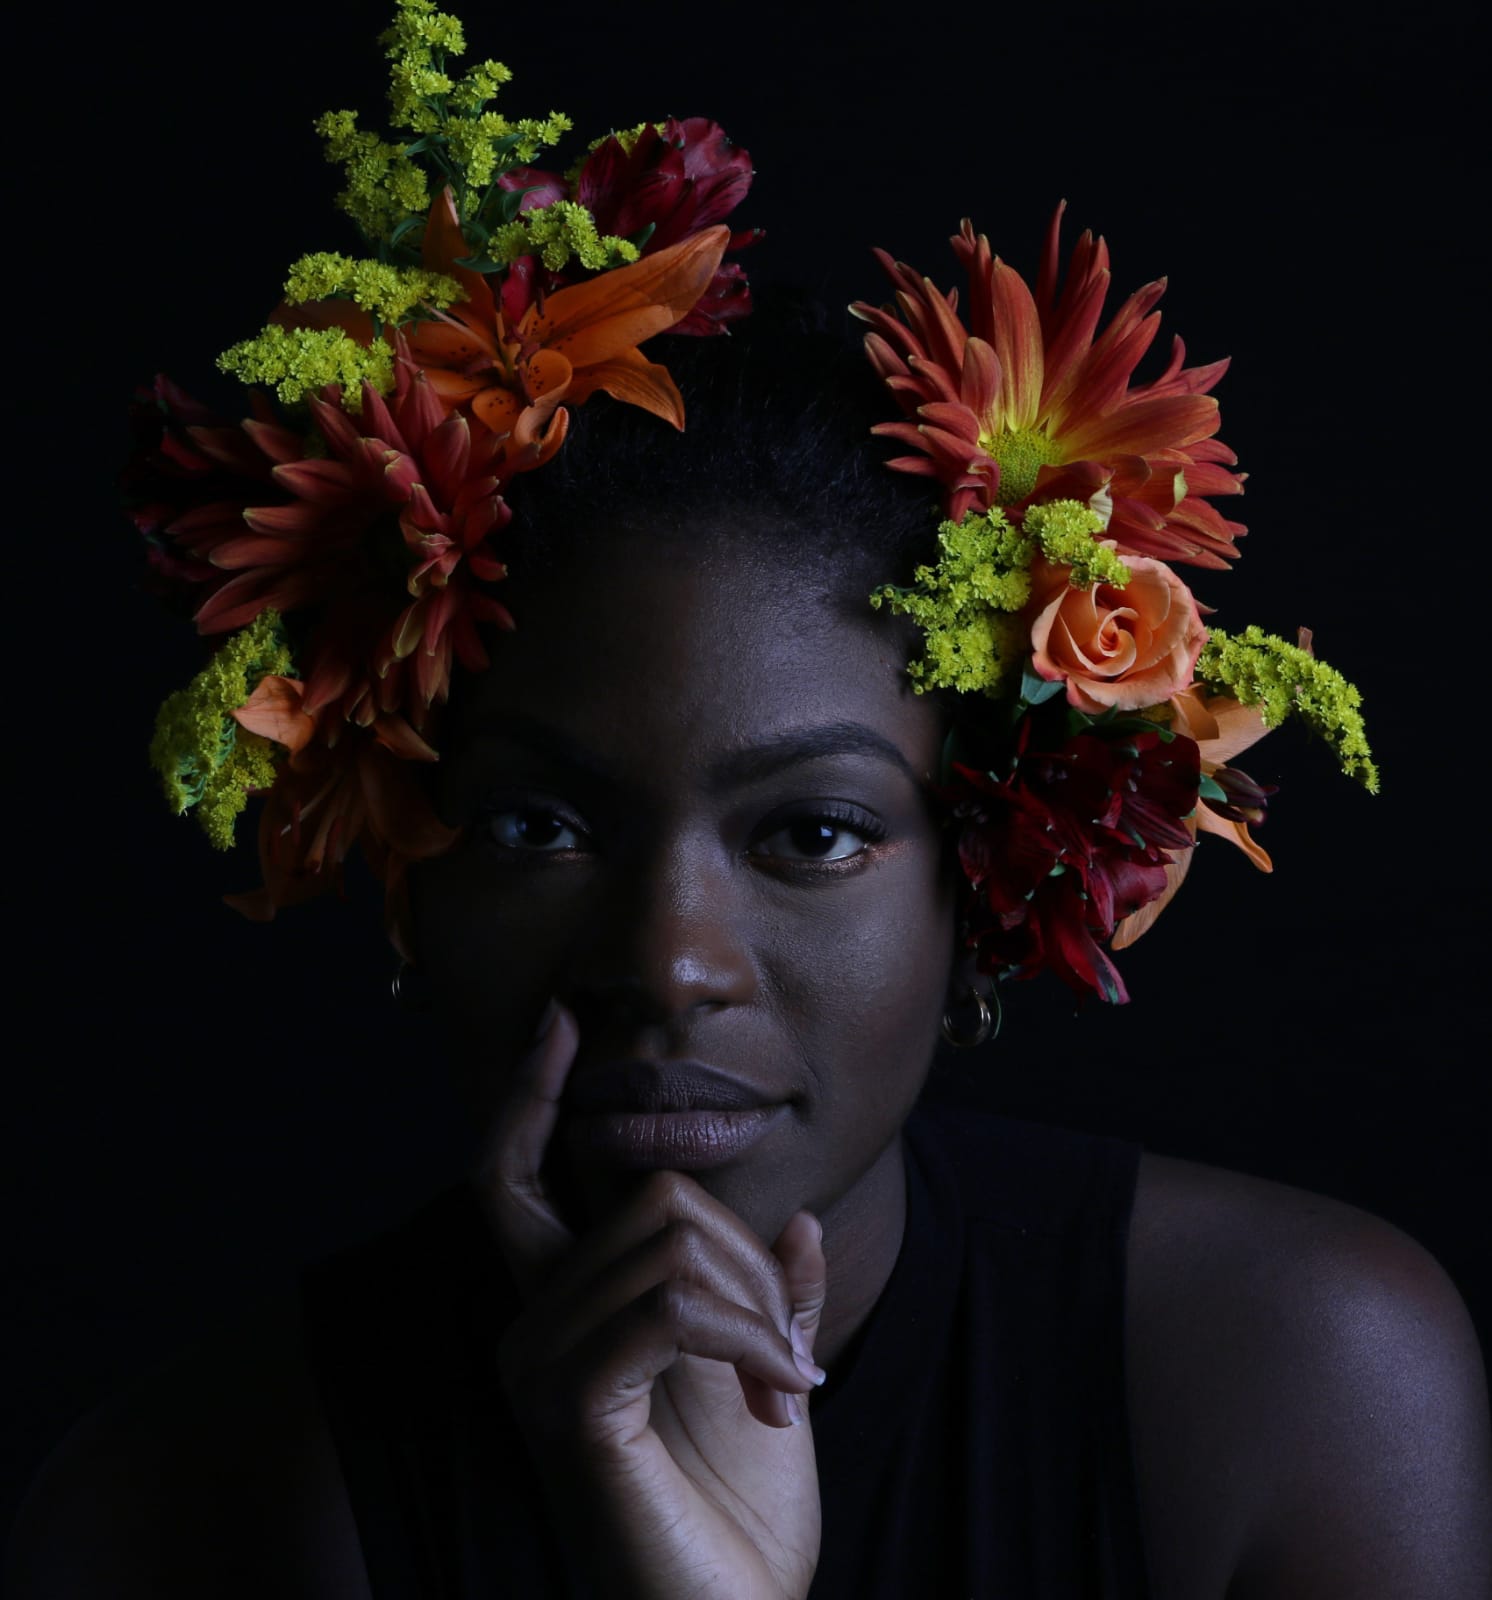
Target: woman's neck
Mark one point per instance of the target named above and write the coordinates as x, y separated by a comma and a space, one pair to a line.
863, 1233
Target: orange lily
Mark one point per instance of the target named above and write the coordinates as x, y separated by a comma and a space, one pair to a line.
326, 798
563, 348
1222, 728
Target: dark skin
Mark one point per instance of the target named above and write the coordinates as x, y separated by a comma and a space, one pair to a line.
743, 871
1307, 1402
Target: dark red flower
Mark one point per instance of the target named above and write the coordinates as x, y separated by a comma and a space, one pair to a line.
1074, 838
181, 495
675, 179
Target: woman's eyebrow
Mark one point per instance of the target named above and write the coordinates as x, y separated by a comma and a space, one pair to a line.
807, 744
728, 771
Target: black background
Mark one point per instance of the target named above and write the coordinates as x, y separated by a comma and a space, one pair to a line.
198, 1105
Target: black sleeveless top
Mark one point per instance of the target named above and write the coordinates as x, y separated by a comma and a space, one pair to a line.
973, 1443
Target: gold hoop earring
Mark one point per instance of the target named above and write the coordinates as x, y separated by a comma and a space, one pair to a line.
986, 1028
411, 988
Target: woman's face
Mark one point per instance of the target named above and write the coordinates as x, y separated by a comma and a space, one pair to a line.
697, 813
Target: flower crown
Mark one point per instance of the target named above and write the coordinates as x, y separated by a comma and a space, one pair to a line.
343, 537
1097, 717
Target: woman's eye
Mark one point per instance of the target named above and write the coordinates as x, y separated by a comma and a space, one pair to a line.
812, 839
533, 828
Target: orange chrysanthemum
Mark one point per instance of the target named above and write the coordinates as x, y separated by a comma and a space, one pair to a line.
387, 534
514, 378
1028, 405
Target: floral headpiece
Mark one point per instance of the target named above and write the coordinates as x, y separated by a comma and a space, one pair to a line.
342, 539
342, 536
1098, 717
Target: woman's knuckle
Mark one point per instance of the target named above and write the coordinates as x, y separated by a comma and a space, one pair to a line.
673, 1304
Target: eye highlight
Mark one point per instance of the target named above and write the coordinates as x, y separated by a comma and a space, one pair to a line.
829, 835
535, 828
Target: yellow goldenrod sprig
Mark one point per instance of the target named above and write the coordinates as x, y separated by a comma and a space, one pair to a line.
965, 604
204, 758
387, 292
383, 186
556, 232
1259, 668
296, 361
452, 130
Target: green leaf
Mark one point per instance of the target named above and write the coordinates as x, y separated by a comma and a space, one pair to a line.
1036, 690
485, 268
1210, 789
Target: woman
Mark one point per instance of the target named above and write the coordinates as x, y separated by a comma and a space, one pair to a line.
693, 949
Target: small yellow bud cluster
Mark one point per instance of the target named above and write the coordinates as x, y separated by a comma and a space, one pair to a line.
557, 232
383, 186
202, 755
1067, 531
1259, 668
448, 116
966, 603
387, 292
296, 361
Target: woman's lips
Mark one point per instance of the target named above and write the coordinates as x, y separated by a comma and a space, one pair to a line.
642, 1114
688, 1141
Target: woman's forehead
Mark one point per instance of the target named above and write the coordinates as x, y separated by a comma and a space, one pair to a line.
696, 657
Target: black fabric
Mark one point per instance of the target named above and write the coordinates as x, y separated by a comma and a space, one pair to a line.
974, 1442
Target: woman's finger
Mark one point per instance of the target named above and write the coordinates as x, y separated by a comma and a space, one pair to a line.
615, 1366
680, 1251
800, 1249
519, 1206
674, 1202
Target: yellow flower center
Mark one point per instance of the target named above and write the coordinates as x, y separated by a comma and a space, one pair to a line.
1022, 453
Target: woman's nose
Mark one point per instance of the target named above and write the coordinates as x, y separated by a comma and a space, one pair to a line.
671, 939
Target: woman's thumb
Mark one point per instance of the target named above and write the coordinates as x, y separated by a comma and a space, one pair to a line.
800, 1249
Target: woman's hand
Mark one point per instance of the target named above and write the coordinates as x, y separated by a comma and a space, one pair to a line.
653, 1369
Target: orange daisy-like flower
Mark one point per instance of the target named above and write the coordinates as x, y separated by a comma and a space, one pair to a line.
386, 534
514, 378
1031, 403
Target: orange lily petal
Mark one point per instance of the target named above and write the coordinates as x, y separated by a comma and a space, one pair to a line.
498, 408
444, 244
1235, 833
615, 311
632, 378
274, 711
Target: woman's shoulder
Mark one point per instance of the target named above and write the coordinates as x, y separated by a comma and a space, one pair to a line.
213, 1474
1308, 1401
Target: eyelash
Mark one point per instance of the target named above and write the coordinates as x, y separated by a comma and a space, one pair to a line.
840, 816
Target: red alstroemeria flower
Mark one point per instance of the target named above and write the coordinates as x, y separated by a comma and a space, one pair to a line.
386, 534
513, 377
676, 180
1031, 403
1074, 838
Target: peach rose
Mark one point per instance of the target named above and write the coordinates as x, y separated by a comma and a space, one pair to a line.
1121, 648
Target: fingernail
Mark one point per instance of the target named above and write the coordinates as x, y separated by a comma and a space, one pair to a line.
546, 1021
797, 1410
805, 1362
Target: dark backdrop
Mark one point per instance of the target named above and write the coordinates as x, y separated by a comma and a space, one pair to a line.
197, 1105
